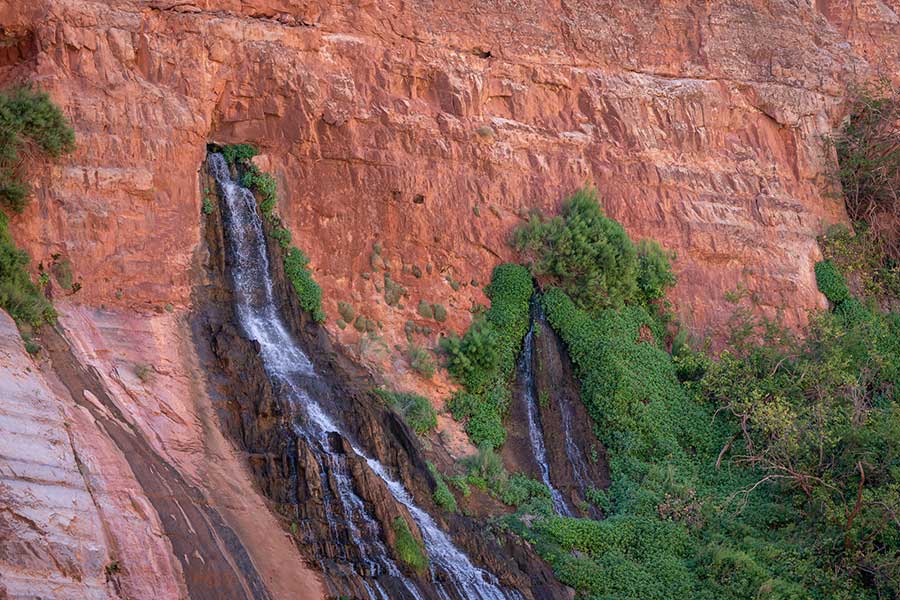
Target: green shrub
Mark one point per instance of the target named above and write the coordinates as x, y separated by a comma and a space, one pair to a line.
347, 312
282, 235
654, 275
393, 291
443, 497
485, 470
308, 291
587, 253
426, 311
420, 360
28, 117
483, 360
473, 359
416, 410
408, 548
264, 185
440, 313
19, 296
239, 153
863, 258
831, 282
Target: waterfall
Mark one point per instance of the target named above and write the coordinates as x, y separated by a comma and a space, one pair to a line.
535, 431
291, 371
573, 452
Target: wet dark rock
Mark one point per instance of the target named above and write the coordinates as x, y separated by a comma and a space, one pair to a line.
563, 416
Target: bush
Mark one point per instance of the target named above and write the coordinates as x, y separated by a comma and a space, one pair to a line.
282, 235
393, 291
19, 296
308, 291
239, 153
484, 359
426, 311
485, 470
473, 359
416, 410
408, 548
440, 313
420, 360
862, 258
587, 253
654, 271
347, 312
264, 185
27, 117
443, 497
831, 282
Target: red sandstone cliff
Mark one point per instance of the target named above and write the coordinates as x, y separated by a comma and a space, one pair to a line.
430, 128
700, 125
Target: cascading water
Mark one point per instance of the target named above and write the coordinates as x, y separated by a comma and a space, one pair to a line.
573, 452
289, 368
535, 431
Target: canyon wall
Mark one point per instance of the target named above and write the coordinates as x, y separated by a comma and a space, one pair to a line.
432, 128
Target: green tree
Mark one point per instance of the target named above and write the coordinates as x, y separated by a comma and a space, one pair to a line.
591, 257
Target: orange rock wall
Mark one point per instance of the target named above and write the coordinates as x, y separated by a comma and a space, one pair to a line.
431, 127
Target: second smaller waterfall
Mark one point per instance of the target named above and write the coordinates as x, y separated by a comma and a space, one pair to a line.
535, 431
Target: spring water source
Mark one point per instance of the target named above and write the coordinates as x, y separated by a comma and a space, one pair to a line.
289, 368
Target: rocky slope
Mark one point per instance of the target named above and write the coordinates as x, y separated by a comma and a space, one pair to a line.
117, 482
426, 128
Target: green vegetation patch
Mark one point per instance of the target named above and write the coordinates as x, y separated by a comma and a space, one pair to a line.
420, 360
19, 296
591, 257
831, 282
308, 291
483, 360
28, 118
443, 497
408, 548
416, 410
759, 474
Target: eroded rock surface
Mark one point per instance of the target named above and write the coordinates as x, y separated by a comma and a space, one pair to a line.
430, 129
55, 537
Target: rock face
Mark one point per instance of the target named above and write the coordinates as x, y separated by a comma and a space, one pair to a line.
430, 130
116, 480
55, 537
